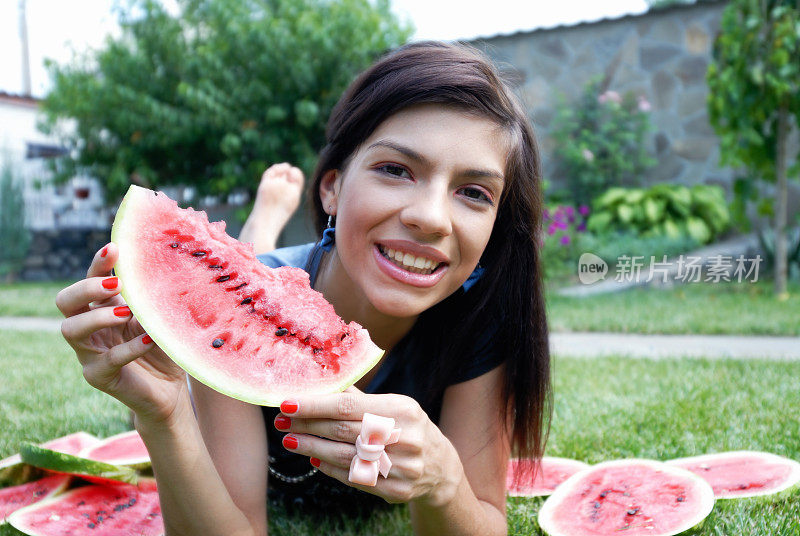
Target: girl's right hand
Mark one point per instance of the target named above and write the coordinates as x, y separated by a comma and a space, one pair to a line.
116, 354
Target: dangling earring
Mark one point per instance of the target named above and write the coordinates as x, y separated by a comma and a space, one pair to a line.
328, 235
473, 277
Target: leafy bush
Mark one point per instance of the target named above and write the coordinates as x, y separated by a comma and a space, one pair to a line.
766, 237
663, 210
599, 142
563, 224
14, 237
612, 246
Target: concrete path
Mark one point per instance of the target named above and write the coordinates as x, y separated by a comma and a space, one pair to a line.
594, 344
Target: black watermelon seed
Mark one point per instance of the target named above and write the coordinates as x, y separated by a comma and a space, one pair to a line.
217, 343
223, 278
597, 504
681, 498
252, 309
132, 502
240, 286
602, 495
632, 511
174, 245
281, 332
81, 503
215, 267
198, 253
317, 350
246, 301
343, 336
90, 525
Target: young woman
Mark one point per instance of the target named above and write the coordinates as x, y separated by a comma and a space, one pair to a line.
429, 186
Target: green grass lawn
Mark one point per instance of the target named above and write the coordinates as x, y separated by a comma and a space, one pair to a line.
604, 409
707, 308
30, 299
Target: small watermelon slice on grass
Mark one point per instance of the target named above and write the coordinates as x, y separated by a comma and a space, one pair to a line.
16, 497
742, 474
632, 497
251, 332
126, 449
550, 474
92, 470
14, 471
121, 510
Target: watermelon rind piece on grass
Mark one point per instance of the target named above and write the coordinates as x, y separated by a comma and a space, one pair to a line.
126, 449
13, 471
254, 333
744, 474
635, 497
548, 476
92, 470
120, 510
15, 497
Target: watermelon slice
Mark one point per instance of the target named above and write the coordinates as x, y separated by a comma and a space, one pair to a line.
126, 449
632, 497
13, 470
16, 497
92, 470
552, 472
740, 474
251, 332
121, 510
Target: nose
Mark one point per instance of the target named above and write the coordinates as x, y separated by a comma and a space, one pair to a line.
428, 210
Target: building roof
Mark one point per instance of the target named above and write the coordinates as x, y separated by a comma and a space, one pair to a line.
24, 100
679, 5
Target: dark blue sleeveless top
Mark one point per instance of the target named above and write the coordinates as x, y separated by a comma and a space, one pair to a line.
395, 375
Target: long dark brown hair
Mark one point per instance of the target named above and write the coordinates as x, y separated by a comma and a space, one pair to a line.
511, 289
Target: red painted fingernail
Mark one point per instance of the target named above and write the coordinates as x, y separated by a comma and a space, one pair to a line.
288, 406
282, 423
146, 339
122, 311
103, 253
314, 462
110, 283
290, 442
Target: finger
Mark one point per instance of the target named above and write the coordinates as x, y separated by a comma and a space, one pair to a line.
103, 261
343, 406
334, 452
76, 298
337, 430
102, 372
77, 329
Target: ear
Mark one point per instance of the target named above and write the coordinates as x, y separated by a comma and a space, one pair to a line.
329, 190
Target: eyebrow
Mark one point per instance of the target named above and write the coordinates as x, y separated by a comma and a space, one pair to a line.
412, 154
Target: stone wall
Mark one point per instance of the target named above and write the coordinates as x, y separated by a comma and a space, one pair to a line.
662, 55
63, 254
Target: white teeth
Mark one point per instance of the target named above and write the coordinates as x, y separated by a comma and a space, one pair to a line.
398, 256
417, 265
408, 259
419, 262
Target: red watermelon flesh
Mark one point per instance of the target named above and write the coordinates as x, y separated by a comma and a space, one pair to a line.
632, 497
16, 497
251, 332
740, 474
126, 448
552, 472
122, 510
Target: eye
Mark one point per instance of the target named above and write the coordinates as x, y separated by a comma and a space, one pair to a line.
394, 169
475, 193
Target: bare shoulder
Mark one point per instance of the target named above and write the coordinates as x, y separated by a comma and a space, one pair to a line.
469, 419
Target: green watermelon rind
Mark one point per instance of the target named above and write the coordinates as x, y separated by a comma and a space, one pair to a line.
789, 489
690, 527
121, 233
13, 471
66, 463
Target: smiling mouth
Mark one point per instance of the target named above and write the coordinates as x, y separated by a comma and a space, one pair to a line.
410, 263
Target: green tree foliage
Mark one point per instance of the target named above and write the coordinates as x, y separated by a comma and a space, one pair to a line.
754, 90
14, 237
211, 96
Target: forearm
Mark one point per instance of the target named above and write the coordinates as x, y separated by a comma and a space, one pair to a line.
461, 513
193, 498
262, 229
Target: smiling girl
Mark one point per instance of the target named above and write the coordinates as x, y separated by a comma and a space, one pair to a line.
429, 188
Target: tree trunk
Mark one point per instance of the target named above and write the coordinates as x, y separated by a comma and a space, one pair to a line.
780, 203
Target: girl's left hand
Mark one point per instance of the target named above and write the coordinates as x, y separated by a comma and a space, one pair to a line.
425, 465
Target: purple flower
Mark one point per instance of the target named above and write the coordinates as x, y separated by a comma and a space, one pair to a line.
565, 240
581, 227
584, 210
551, 230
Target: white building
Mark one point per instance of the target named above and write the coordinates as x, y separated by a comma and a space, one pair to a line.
78, 203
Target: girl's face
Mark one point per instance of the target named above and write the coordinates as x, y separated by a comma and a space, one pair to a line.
415, 207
